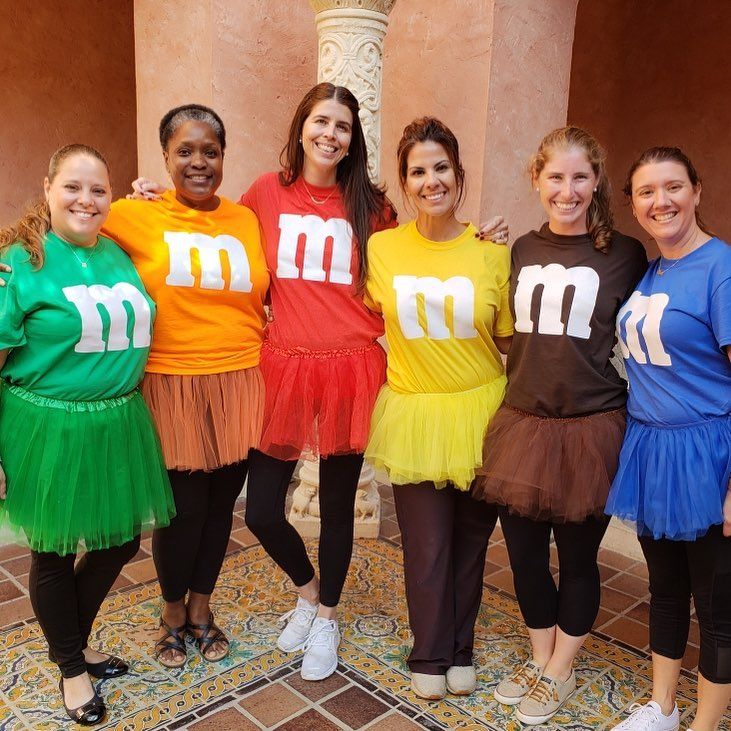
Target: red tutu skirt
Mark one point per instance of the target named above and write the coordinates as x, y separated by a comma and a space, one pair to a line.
319, 402
550, 469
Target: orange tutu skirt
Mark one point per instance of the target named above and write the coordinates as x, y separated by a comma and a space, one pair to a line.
206, 421
550, 469
319, 402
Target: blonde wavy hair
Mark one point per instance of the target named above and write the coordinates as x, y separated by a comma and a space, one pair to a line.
35, 222
599, 217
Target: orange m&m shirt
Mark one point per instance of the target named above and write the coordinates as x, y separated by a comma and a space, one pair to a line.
207, 273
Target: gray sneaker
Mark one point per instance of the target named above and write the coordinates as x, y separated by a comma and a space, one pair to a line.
544, 699
512, 689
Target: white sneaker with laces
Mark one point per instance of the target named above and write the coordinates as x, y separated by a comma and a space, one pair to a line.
321, 650
294, 634
649, 717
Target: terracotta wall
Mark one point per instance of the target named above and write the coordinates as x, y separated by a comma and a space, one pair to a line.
251, 61
647, 74
495, 71
66, 75
437, 62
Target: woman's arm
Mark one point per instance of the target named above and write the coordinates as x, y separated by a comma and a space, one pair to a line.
727, 501
503, 344
3, 484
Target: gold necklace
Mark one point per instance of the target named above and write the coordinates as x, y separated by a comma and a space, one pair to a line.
315, 200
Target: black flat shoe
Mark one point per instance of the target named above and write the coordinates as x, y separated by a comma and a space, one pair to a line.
112, 667
90, 714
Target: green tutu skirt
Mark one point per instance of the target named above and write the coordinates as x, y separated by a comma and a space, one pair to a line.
80, 472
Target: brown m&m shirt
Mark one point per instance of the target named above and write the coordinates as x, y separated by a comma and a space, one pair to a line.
564, 296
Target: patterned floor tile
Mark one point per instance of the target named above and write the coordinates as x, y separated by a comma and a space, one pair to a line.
259, 686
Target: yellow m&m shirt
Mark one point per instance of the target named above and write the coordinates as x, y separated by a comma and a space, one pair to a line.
442, 303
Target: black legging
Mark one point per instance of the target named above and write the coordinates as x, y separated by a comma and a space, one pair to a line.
269, 479
701, 568
189, 552
572, 606
66, 600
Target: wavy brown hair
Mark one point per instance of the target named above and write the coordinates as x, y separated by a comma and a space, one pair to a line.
599, 218
366, 204
667, 154
430, 129
35, 222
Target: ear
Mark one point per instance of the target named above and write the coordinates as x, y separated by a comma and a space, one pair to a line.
697, 195
46, 187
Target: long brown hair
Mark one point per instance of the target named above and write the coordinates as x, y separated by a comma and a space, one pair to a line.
366, 204
31, 228
599, 217
430, 129
667, 154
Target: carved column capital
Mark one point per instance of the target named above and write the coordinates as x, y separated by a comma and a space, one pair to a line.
379, 6
351, 34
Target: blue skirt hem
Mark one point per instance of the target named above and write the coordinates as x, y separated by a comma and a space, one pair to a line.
672, 482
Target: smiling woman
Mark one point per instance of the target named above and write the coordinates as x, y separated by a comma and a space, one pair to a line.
201, 258
79, 449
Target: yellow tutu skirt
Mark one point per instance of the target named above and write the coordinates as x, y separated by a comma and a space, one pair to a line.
432, 437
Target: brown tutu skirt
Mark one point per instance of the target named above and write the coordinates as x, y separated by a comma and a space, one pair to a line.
550, 469
206, 421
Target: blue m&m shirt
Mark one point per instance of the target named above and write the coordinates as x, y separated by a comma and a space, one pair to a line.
673, 331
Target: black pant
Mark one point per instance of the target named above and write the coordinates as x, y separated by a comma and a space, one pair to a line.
269, 479
572, 606
444, 534
66, 600
701, 568
189, 552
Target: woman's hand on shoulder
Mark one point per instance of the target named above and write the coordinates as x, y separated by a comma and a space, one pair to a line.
146, 190
4, 269
3, 484
495, 230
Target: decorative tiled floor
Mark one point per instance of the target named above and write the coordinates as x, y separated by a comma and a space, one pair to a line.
258, 687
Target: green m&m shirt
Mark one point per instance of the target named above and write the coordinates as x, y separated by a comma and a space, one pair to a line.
79, 328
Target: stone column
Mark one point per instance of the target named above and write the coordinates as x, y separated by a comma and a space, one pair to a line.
305, 511
350, 35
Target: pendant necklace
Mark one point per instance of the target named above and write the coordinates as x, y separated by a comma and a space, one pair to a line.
661, 271
84, 262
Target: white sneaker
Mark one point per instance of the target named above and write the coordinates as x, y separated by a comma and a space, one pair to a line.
430, 687
649, 717
321, 650
461, 679
293, 636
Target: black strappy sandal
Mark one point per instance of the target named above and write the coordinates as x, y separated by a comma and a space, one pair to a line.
210, 634
173, 640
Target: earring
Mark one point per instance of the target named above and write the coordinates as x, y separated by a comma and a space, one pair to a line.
536, 190
300, 140
595, 190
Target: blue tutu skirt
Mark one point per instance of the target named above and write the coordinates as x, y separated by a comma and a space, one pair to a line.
672, 481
